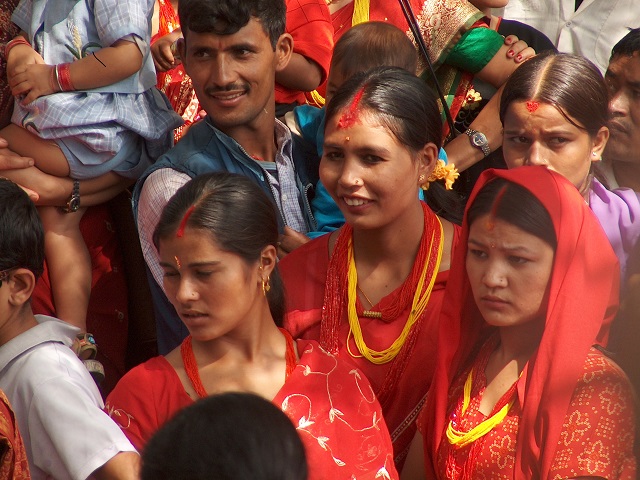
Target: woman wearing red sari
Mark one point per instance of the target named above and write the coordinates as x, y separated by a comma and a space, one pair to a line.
371, 291
217, 244
522, 388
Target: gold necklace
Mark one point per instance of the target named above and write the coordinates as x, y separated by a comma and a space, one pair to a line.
369, 313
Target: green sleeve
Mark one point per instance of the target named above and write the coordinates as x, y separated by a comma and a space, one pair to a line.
474, 49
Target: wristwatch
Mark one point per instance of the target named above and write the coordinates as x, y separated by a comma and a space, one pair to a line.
479, 140
73, 204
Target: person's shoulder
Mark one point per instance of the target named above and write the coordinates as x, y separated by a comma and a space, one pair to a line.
602, 377
195, 141
301, 257
599, 365
146, 374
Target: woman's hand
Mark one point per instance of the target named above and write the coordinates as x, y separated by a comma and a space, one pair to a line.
164, 57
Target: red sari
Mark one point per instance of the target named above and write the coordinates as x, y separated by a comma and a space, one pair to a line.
13, 462
333, 407
573, 413
304, 272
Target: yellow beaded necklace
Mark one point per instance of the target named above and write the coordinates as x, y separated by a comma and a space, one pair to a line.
420, 301
462, 439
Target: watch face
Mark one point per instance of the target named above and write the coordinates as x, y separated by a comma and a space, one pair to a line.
74, 204
479, 139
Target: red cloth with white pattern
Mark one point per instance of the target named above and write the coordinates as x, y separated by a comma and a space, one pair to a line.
333, 407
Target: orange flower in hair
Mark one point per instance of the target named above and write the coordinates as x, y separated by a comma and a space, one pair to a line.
443, 171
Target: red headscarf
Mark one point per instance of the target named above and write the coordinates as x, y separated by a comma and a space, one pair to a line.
583, 300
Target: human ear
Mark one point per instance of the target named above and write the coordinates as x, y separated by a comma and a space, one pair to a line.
427, 158
284, 50
268, 260
599, 142
182, 50
21, 284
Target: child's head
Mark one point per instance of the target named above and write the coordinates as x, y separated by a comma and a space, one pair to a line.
21, 250
21, 233
366, 46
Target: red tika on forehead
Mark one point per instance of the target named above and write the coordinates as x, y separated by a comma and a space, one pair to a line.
183, 222
532, 106
350, 116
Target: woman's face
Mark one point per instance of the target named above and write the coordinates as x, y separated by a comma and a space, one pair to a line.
538, 134
212, 290
372, 177
509, 271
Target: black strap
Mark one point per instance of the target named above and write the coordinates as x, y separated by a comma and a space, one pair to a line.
578, 3
415, 30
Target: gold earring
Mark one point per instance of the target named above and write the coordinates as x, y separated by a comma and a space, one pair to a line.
421, 178
266, 286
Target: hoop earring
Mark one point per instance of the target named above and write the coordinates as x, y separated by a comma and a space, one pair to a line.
266, 286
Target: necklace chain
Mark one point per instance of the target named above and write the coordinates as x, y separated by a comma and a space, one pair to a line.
420, 299
369, 313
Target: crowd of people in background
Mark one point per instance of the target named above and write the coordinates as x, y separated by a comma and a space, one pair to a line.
323, 239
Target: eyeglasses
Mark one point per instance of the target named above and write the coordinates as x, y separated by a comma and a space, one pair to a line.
5, 274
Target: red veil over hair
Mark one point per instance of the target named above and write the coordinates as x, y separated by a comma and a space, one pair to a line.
583, 300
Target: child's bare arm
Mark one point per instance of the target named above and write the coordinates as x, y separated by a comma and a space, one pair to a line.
105, 67
301, 74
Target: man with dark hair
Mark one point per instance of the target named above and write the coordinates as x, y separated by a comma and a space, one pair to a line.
621, 167
56, 402
232, 50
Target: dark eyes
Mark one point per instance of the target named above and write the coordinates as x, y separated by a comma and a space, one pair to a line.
518, 260
332, 156
481, 255
477, 253
198, 273
372, 159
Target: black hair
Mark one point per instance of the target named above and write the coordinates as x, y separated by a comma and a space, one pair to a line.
408, 108
515, 205
628, 45
231, 436
373, 44
571, 83
238, 215
21, 232
226, 17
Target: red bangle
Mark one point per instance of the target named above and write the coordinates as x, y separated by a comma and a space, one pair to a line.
19, 40
63, 73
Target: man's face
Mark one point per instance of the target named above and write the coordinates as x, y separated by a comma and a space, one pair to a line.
234, 75
623, 80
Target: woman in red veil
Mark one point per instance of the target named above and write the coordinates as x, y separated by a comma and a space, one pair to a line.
522, 388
